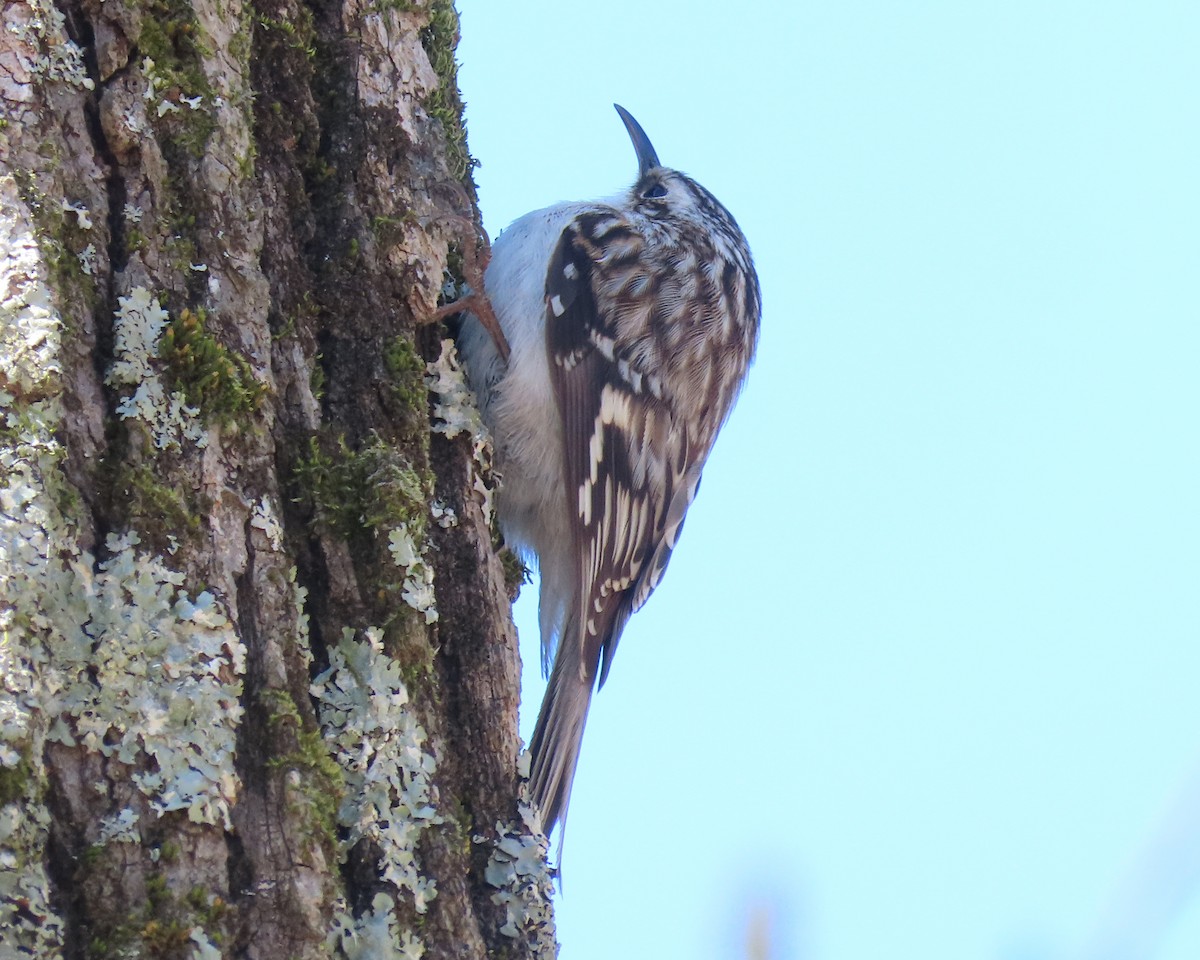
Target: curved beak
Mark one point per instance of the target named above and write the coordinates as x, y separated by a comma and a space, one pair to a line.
647, 158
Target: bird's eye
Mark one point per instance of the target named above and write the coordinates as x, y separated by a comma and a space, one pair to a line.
657, 190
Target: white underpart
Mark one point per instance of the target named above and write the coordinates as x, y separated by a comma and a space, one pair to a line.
533, 515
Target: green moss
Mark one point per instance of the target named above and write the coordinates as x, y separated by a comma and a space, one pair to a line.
440, 38
156, 889
208, 908
406, 375
161, 926
409, 646
302, 313
391, 229
355, 493
516, 574
150, 504
172, 37
241, 45
297, 32
69, 502
179, 248
319, 170
284, 329
400, 6
60, 239
65, 266
165, 938
246, 161
110, 944
15, 779
316, 379
214, 379
455, 270
457, 820
321, 781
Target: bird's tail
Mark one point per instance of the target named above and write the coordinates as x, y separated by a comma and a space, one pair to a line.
558, 734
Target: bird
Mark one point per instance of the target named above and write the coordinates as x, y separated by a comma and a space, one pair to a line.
628, 327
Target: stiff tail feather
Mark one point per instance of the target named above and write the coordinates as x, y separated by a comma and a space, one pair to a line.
558, 735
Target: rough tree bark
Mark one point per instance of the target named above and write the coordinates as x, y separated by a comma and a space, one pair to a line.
259, 674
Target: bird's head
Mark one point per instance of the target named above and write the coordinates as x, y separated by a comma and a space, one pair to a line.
657, 186
663, 194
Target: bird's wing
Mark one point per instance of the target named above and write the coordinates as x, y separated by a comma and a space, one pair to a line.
631, 469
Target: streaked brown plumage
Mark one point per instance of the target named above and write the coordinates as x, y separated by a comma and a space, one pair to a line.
632, 324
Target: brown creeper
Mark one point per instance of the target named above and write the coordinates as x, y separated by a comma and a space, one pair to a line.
632, 323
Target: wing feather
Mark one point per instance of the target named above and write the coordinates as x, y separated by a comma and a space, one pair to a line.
628, 461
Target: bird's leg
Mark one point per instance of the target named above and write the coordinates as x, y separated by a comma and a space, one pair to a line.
474, 264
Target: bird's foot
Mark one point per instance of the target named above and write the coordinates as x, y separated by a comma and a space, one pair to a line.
475, 260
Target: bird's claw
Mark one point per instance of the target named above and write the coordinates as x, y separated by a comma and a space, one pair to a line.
475, 260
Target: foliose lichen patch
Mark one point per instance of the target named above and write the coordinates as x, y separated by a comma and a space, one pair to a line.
41, 25
455, 413
417, 591
30, 333
139, 323
376, 935
264, 518
107, 653
145, 672
366, 719
519, 870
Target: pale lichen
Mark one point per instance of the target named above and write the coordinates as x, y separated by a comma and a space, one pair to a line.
522, 876
376, 935
455, 413
25, 915
87, 260
377, 741
128, 665
143, 672
30, 534
138, 326
24, 887
264, 518
30, 327
121, 827
418, 575
300, 598
203, 949
156, 84
443, 515
82, 215
109, 654
41, 26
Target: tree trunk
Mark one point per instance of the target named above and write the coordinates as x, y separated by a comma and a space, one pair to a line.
260, 678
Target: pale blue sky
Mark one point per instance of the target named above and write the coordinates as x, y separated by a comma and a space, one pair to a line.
922, 680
